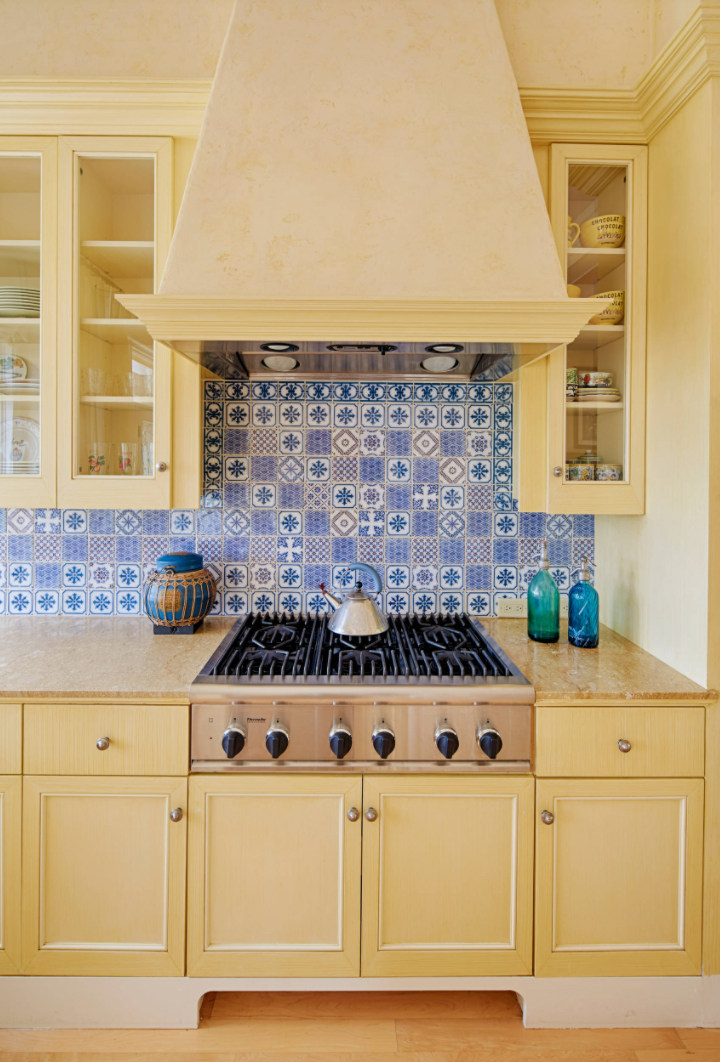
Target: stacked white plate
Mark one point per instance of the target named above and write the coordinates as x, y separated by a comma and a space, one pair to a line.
19, 302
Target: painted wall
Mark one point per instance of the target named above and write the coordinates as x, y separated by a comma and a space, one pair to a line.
588, 43
653, 569
302, 479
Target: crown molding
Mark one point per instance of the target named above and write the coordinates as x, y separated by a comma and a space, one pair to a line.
102, 106
175, 318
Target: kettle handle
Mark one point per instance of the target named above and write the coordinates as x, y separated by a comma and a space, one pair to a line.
360, 566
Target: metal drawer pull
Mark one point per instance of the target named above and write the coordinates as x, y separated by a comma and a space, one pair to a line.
623, 745
102, 743
353, 814
548, 818
176, 814
371, 814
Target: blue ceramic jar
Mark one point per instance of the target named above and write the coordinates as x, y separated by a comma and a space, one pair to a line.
180, 593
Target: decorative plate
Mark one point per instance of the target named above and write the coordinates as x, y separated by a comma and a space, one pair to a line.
20, 442
12, 367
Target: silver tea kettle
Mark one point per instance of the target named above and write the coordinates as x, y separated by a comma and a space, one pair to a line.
357, 615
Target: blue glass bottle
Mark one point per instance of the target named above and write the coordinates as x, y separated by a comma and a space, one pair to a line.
543, 604
584, 612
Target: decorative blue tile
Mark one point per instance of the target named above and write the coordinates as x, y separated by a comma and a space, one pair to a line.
213, 415
264, 390
480, 416
399, 416
452, 444
426, 470
19, 521
479, 443
127, 576
372, 415
209, 523
345, 468
316, 603
343, 550
478, 604
290, 469
452, 498
235, 603
127, 602
479, 523
20, 547
237, 391
318, 392
128, 522
505, 577
74, 602
424, 602
318, 441
235, 576
346, 392
505, 551
290, 522
263, 522
398, 469
397, 577
503, 417
316, 574
480, 393
479, 471
398, 496
451, 577
425, 496
128, 549
20, 573
505, 525
317, 523
399, 392
397, 603
425, 417
74, 547
237, 469
48, 576
213, 498
101, 548
47, 547
74, 522
237, 548
47, 602
584, 526
452, 550
397, 550
48, 521
372, 496
532, 525
561, 575
452, 525
101, 602
372, 469
290, 549
372, 443
289, 601
424, 577
503, 500
452, 603
344, 496
291, 414
371, 523
397, 443
264, 496
424, 523
426, 392
3, 521
212, 470
503, 392
155, 522
397, 523
19, 602
291, 391
291, 442
290, 576
559, 526
319, 414
452, 416
264, 415
559, 550
424, 550
372, 392
213, 390
345, 415
502, 471
235, 441
478, 576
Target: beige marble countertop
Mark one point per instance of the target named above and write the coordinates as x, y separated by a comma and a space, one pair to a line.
119, 658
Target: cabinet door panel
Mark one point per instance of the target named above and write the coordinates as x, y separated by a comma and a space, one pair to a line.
274, 876
103, 876
447, 876
619, 878
10, 822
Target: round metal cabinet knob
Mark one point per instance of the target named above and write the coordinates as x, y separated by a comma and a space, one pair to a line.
557, 471
102, 744
176, 814
371, 814
161, 466
623, 745
353, 814
548, 818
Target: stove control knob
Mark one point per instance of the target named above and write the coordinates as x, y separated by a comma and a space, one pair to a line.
233, 740
383, 740
489, 741
340, 740
277, 740
447, 741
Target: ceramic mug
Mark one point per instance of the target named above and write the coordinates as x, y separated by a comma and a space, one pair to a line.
608, 472
573, 291
97, 463
580, 472
594, 379
573, 232
608, 230
614, 313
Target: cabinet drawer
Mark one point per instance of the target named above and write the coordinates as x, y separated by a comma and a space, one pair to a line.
62, 739
10, 739
577, 742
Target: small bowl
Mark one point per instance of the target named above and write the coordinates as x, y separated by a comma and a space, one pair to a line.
614, 313
574, 291
580, 473
609, 473
608, 230
594, 379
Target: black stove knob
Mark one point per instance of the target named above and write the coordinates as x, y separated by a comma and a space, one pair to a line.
340, 740
447, 741
490, 742
277, 740
383, 740
233, 740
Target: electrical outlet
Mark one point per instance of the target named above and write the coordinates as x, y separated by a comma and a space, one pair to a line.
512, 606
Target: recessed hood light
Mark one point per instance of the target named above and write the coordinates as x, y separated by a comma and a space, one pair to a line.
279, 347
279, 364
445, 348
442, 363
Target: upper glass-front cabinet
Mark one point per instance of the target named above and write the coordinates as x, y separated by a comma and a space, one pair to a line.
116, 383
597, 383
28, 222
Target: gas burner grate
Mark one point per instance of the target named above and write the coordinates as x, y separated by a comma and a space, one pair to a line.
360, 662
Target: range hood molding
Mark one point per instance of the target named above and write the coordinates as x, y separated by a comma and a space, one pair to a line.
171, 319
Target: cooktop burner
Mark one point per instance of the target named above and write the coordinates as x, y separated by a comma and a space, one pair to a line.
272, 647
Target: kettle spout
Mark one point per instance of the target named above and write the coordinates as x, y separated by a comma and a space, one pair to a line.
334, 601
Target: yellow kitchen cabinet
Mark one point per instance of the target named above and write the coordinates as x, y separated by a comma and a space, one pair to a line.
447, 875
103, 876
618, 877
558, 431
28, 287
274, 876
10, 824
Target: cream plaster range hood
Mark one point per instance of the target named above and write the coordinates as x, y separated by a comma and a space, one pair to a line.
364, 175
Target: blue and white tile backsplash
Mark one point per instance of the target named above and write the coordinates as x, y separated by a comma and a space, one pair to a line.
302, 479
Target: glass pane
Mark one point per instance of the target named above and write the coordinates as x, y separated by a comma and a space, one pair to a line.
597, 362
20, 181
114, 356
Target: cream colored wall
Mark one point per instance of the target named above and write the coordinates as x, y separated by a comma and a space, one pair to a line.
668, 17
652, 570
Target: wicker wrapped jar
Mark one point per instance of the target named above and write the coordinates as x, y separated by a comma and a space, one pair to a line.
181, 592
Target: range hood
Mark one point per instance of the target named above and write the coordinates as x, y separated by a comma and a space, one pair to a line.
363, 176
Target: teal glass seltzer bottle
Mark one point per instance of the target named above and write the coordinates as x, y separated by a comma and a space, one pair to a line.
584, 611
543, 604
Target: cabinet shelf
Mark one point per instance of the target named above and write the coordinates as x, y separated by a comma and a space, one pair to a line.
121, 258
112, 402
592, 337
577, 408
115, 329
592, 263
20, 398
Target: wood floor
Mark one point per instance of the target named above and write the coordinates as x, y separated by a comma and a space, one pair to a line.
363, 1027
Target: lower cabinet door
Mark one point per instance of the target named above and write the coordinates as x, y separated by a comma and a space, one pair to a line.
274, 876
104, 876
10, 824
447, 875
618, 877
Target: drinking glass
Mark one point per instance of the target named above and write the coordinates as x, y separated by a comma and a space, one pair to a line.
127, 459
97, 461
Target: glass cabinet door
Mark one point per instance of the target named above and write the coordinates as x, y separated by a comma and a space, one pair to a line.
119, 383
597, 382
27, 320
